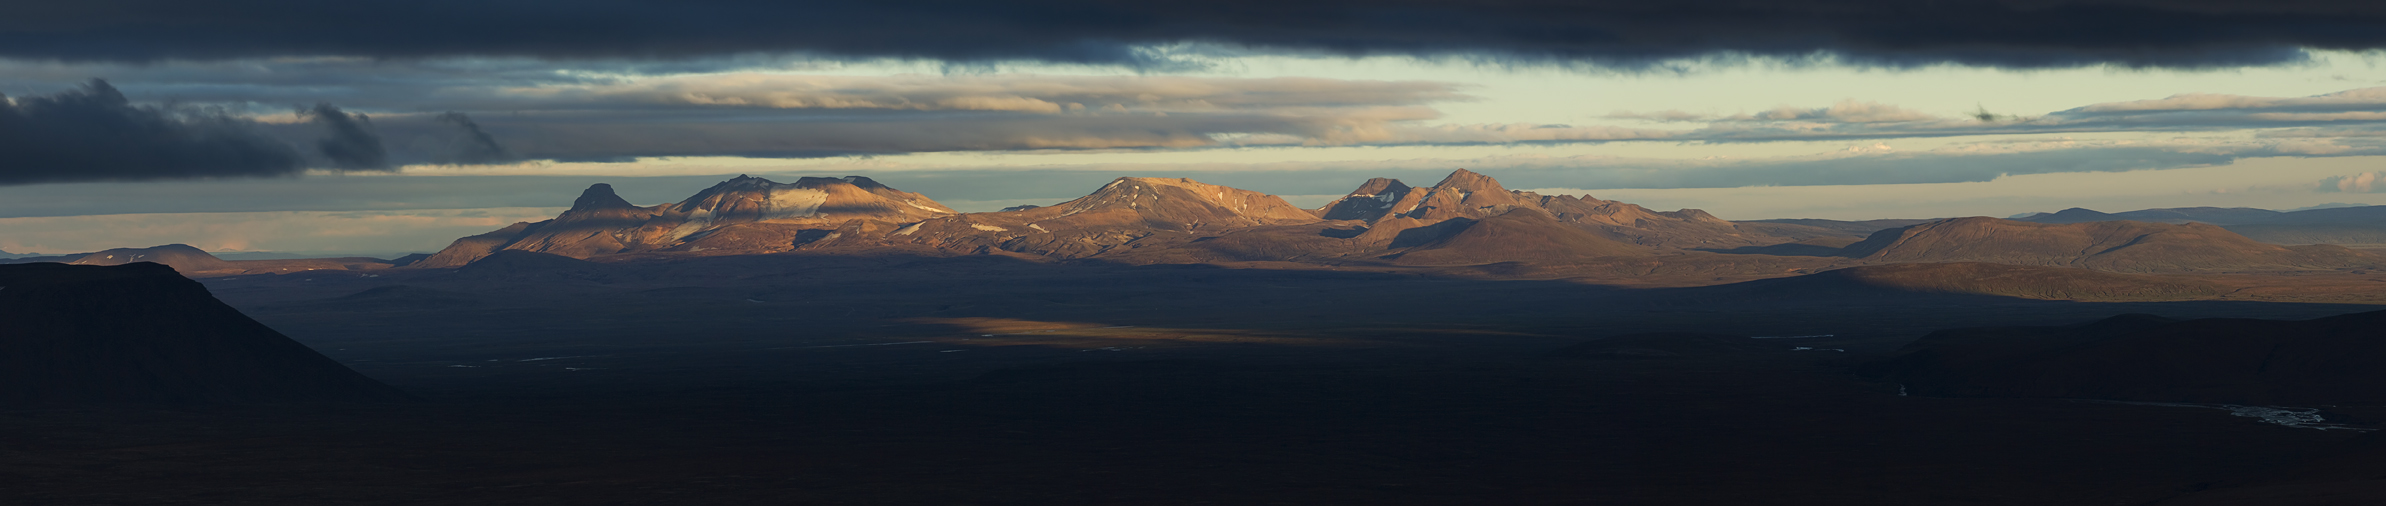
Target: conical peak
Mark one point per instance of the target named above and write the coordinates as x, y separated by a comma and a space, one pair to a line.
599, 196
1469, 181
1380, 186
745, 180
1128, 184
865, 183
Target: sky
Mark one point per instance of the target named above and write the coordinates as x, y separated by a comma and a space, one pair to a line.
381, 128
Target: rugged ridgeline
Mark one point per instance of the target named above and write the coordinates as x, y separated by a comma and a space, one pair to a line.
140, 333
2144, 358
1466, 219
1387, 207
742, 215
1128, 213
2120, 246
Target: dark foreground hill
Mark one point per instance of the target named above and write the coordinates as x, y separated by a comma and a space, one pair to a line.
2326, 361
140, 333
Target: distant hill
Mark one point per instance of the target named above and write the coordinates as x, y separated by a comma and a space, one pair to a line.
2213, 215
182, 258
1971, 278
2143, 358
190, 261
1851, 227
2330, 224
141, 333
2338, 213
2121, 246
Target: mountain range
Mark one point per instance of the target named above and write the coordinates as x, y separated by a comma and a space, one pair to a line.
1466, 219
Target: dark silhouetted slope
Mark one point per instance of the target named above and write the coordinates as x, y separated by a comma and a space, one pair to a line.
140, 333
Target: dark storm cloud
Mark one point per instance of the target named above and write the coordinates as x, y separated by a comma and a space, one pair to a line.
2039, 34
465, 143
95, 134
351, 142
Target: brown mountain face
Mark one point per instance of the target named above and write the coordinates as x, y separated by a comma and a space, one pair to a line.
1518, 235
2122, 246
1390, 208
743, 215
1372, 200
140, 333
1131, 212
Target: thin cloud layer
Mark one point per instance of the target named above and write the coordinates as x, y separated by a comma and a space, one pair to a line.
778, 115
1007, 93
1895, 33
2351, 113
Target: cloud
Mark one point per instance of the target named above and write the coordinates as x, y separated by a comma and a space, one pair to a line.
2351, 113
1890, 33
352, 144
94, 134
466, 143
779, 115
2366, 182
1028, 93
